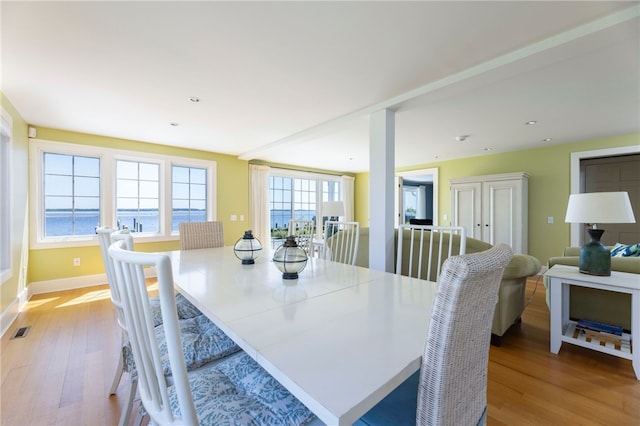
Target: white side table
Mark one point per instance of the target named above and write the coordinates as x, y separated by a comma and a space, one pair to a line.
563, 329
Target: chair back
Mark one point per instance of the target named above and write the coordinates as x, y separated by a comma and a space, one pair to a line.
304, 231
453, 375
422, 249
199, 235
152, 386
105, 237
341, 241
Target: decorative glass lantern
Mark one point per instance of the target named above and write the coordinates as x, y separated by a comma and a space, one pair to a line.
247, 248
290, 259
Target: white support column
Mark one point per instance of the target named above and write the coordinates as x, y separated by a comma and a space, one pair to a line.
381, 190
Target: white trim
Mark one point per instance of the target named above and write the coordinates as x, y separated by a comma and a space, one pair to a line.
108, 158
6, 245
575, 176
10, 314
274, 171
72, 283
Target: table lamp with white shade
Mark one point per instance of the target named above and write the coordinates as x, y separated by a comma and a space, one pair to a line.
333, 209
593, 208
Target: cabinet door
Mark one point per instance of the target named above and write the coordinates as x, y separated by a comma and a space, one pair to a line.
466, 207
501, 210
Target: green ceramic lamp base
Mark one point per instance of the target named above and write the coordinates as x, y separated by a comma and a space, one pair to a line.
595, 257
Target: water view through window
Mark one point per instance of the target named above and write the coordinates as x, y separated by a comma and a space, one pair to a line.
72, 195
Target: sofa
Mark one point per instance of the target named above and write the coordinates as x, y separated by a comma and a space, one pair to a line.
593, 304
511, 297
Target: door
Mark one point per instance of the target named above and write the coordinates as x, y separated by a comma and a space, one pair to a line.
466, 202
500, 208
621, 173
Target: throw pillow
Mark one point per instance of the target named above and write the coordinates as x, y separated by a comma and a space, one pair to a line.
626, 250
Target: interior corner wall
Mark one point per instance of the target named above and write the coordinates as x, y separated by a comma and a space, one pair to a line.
14, 289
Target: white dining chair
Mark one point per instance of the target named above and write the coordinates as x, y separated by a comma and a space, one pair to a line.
422, 249
451, 386
199, 235
235, 390
341, 241
304, 231
202, 340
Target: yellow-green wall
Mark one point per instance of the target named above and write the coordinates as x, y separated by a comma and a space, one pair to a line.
15, 285
232, 199
549, 182
549, 186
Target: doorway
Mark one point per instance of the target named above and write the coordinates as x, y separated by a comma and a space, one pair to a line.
416, 196
617, 173
576, 157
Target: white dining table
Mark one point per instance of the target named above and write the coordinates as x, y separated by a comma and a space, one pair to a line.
339, 338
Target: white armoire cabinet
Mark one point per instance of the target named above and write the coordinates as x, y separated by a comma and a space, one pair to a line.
492, 208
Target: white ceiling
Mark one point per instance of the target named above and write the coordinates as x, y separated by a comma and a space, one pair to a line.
294, 82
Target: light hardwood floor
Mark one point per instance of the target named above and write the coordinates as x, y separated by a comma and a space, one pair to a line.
61, 372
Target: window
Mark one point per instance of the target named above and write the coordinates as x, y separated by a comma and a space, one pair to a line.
71, 194
297, 195
78, 187
138, 196
410, 202
5, 196
189, 195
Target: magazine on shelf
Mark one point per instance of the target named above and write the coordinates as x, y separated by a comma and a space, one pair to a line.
599, 327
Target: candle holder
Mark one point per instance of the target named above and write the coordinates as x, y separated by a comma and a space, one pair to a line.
247, 248
290, 259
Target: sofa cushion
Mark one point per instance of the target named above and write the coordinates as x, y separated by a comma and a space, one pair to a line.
626, 250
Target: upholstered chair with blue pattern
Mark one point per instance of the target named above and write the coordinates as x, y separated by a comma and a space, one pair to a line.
451, 386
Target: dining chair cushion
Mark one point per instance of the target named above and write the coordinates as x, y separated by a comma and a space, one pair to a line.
202, 343
237, 391
185, 309
398, 408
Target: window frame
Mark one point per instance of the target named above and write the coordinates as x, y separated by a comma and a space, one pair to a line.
208, 184
108, 158
320, 178
6, 196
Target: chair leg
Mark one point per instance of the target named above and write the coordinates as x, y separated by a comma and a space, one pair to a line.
496, 340
118, 376
128, 404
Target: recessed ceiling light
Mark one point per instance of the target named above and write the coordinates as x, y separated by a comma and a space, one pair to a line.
194, 99
547, 140
530, 123
488, 149
174, 124
462, 138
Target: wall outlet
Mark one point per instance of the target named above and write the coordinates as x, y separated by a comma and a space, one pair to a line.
241, 218
550, 219
76, 261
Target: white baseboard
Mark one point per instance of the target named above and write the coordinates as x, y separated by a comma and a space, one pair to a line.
41, 287
11, 313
